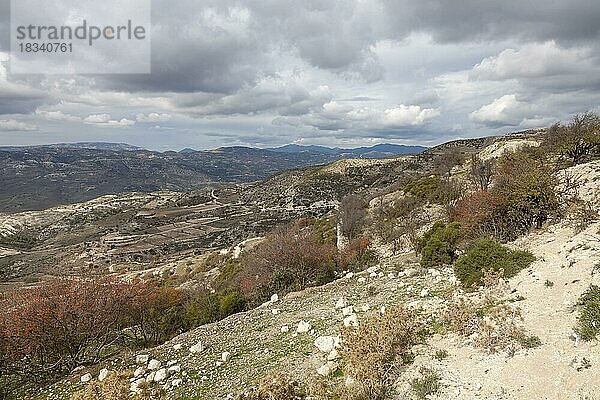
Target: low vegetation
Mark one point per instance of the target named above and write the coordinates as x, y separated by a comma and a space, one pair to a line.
488, 255
439, 244
428, 384
588, 321
373, 352
523, 196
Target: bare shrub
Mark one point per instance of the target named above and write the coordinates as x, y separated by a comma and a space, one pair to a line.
373, 352
114, 387
351, 215
481, 172
577, 140
275, 387
500, 329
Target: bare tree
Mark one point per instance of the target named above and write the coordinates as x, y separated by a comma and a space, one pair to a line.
481, 172
351, 215
578, 139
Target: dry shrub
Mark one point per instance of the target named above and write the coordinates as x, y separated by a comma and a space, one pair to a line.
493, 326
461, 317
500, 329
372, 353
276, 387
149, 391
582, 214
114, 387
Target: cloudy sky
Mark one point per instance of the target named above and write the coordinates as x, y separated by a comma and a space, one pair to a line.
344, 73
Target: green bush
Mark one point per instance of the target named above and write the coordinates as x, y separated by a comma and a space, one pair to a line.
438, 245
588, 322
231, 302
486, 254
426, 188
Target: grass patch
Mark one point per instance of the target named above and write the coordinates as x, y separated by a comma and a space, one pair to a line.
428, 384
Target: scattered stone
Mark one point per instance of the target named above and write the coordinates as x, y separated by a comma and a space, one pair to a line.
327, 369
303, 327
410, 272
341, 303
225, 356
370, 270
382, 310
197, 348
424, 293
351, 320
178, 346
176, 382
154, 364
325, 343
103, 374
150, 377
362, 280
142, 358
274, 298
349, 275
285, 329
333, 355
365, 308
160, 375
171, 362
347, 311
86, 378
139, 371
275, 311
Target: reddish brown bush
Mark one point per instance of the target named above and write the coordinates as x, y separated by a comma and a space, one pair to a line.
291, 258
52, 328
356, 255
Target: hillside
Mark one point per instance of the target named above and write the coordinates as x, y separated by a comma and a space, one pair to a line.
39, 177
514, 335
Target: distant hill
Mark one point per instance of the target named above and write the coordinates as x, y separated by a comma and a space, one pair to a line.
377, 151
78, 145
38, 177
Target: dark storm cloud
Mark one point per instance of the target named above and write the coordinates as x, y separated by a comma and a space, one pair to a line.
471, 20
270, 71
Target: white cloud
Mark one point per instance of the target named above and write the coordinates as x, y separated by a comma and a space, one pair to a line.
14, 125
56, 116
97, 119
153, 117
534, 60
403, 116
504, 110
104, 120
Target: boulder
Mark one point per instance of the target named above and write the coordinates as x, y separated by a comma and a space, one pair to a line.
327, 369
142, 358
303, 327
351, 320
86, 378
160, 375
103, 374
197, 348
325, 344
154, 364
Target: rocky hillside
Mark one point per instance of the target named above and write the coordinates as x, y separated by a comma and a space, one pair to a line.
517, 340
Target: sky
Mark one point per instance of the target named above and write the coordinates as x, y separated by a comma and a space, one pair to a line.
344, 73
